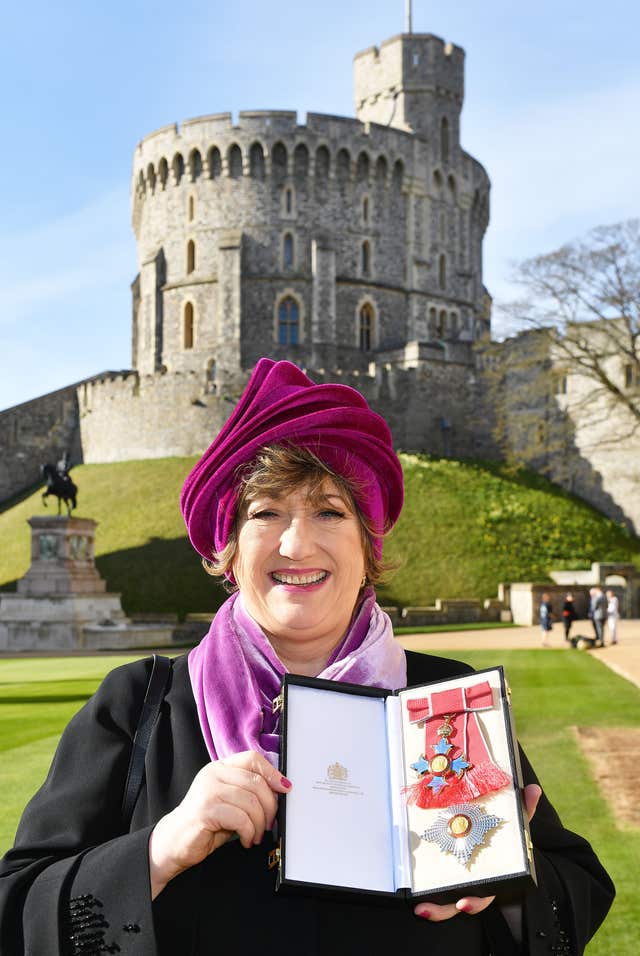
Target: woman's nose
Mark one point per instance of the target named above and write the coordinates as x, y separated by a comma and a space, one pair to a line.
296, 539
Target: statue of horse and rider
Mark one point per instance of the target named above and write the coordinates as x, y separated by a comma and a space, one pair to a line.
59, 483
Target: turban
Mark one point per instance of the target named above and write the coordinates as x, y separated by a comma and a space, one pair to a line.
282, 406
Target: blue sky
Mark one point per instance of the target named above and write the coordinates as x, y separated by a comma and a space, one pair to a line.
551, 110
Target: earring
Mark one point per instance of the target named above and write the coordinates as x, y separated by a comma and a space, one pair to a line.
363, 583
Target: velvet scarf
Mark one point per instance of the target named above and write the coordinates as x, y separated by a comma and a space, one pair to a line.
235, 674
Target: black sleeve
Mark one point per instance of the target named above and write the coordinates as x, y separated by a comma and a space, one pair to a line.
74, 882
574, 891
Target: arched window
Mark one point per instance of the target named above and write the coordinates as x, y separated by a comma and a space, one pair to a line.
195, 164
177, 167
451, 183
362, 168
441, 327
301, 161
192, 208
442, 272
365, 210
191, 256
453, 323
279, 162
323, 163
163, 172
366, 258
141, 184
365, 327
444, 139
188, 332
215, 163
343, 166
381, 172
443, 227
437, 180
256, 161
151, 177
433, 322
288, 322
398, 175
288, 200
287, 251
212, 383
234, 158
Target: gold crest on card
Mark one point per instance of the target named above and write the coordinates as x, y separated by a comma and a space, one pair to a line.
336, 771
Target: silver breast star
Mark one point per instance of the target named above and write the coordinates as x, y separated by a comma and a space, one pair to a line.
460, 829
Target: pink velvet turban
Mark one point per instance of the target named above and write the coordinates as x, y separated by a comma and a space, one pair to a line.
280, 405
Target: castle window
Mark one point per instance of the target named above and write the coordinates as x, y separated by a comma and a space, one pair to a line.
151, 177
443, 227
362, 168
215, 163
192, 208
441, 324
444, 139
287, 251
343, 166
442, 272
416, 59
398, 175
381, 172
279, 162
188, 326
437, 180
451, 183
365, 327
366, 259
453, 323
195, 165
561, 383
433, 322
631, 376
288, 322
212, 383
191, 256
177, 167
323, 163
288, 201
365, 210
301, 161
256, 161
234, 158
163, 172
141, 184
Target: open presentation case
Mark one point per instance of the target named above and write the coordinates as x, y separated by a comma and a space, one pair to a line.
413, 793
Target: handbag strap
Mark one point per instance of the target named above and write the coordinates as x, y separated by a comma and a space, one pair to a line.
148, 715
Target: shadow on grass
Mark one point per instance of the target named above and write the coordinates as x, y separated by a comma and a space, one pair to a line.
163, 576
46, 699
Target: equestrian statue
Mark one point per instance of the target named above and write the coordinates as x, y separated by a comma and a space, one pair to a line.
59, 483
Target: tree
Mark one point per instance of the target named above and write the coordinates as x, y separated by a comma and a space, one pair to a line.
586, 297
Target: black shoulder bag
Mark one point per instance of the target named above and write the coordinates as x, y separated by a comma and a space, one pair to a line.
148, 716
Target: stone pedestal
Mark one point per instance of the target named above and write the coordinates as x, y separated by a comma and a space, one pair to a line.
62, 603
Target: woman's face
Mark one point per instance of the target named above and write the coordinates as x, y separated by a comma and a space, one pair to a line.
299, 565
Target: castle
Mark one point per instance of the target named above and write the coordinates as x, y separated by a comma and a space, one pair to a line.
352, 247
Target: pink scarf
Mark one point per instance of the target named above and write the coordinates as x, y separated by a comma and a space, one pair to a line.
235, 674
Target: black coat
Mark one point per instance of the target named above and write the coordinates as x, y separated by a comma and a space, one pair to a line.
76, 883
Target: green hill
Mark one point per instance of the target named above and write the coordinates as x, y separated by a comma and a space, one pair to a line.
465, 527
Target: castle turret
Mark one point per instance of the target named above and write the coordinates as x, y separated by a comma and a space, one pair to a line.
415, 82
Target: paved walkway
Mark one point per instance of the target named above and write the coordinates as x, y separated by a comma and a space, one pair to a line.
623, 658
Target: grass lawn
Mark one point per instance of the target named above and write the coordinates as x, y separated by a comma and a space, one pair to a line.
551, 693
465, 527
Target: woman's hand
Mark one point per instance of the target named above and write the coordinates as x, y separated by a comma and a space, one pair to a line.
234, 795
474, 904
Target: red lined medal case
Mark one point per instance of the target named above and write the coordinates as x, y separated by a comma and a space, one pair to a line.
412, 794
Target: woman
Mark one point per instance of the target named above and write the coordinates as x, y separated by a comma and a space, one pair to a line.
290, 502
613, 614
568, 615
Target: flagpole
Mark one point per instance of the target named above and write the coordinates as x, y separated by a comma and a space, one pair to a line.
408, 16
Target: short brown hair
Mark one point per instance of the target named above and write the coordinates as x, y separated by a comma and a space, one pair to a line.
276, 471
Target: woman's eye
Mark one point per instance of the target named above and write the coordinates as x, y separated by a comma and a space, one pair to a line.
331, 513
263, 515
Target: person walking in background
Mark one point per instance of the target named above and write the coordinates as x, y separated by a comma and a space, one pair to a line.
568, 615
597, 613
546, 616
613, 613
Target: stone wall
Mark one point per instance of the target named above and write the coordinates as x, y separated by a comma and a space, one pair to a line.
35, 433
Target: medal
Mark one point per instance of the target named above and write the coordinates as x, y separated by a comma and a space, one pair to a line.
460, 829
441, 766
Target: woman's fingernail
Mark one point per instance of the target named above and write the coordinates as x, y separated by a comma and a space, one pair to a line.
425, 914
464, 907
286, 783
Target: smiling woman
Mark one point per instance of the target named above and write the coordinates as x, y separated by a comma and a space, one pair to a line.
291, 503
